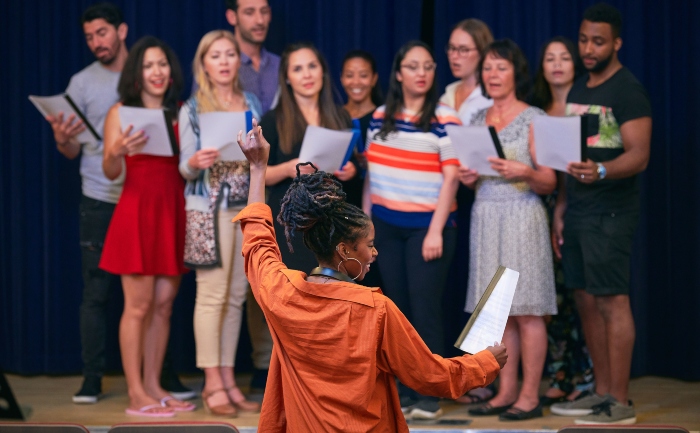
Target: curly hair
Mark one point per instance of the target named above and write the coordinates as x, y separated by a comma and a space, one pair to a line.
315, 205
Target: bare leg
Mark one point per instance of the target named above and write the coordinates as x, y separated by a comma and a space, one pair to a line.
596, 339
619, 327
138, 305
508, 387
533, 333
156, 338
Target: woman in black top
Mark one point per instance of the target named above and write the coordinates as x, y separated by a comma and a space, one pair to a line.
306, 98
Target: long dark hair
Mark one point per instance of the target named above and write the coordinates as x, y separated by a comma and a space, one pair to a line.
291, 124
315, 205
131, 81
542, 93
376, 95
509, 50
394, 99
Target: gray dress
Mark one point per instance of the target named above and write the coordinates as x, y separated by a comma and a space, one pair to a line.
509, 227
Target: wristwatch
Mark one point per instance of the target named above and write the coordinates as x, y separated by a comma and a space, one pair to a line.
601, 171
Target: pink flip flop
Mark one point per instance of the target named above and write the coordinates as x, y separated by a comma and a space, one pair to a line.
144, 411
188, 408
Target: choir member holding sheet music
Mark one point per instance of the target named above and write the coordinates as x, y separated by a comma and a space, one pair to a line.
94, 91
410, 193
145, 240
216, 191
570, 369
509, 228
306, 98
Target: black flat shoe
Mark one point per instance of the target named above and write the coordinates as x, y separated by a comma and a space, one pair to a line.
487, 409
515, 414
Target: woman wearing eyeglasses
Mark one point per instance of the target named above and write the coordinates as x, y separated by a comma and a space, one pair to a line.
410, 193
464, 51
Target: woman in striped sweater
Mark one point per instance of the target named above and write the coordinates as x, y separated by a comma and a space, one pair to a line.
410, 193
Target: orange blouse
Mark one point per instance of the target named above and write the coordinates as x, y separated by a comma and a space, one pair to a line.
338, 347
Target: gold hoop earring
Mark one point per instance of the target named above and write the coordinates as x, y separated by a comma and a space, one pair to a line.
351, 258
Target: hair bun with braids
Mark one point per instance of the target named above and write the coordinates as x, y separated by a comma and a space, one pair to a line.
315, 205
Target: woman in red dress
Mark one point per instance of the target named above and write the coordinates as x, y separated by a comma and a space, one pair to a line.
145, 240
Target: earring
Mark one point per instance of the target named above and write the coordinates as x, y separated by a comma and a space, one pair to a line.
351, 258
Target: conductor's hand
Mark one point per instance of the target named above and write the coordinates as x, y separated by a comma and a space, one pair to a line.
255, 148
64, 131
499, 352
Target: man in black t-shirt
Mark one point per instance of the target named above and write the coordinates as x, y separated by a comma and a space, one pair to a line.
597, 211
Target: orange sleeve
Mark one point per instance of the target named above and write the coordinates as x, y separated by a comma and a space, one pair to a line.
260, 250
404, 354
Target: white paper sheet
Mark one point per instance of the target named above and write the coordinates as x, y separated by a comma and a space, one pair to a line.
219, 130
491, 321
473, 145
326, 148
52, 105
152, 121
557, 140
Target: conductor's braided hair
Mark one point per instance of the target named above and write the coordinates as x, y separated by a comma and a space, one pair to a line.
315, 205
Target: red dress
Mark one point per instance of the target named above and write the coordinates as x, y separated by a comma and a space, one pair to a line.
147, 233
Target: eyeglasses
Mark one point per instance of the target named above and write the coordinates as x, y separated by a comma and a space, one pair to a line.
414, 67
461, 50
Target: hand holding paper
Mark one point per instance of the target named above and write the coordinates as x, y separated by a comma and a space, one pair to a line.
55, 109
218, 130
488, 322
474, 145
499, 352
64, 131
151, 124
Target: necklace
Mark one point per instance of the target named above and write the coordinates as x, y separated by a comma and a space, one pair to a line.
320, 271
498, 119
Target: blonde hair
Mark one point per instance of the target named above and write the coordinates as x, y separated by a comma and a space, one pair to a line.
205, 92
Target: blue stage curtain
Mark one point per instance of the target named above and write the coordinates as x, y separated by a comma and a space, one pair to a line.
42, 45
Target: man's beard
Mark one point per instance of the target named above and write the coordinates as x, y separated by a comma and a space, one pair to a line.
601, 65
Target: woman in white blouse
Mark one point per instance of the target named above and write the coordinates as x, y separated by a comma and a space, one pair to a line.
464, 50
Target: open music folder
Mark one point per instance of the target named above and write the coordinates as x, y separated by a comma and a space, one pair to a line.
561, 140
158, 125
488, 322
219, 130
328, 149
63, 103
474, 145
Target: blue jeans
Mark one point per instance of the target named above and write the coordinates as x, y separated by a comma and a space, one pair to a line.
95, 216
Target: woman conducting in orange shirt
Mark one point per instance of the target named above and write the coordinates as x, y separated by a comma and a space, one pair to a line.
338, 346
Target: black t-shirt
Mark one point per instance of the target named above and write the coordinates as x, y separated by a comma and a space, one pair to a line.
617, 100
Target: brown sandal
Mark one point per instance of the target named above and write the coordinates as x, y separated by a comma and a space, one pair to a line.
224, 410
244, 405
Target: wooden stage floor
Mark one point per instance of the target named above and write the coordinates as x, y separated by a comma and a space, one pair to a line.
48, 399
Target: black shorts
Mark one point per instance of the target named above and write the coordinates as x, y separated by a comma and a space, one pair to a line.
596, 252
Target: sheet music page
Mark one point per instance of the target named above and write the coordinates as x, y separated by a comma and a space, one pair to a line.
219, 130
326, 148
490, 323
557, 140
52, 105
152, 121
473, 145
